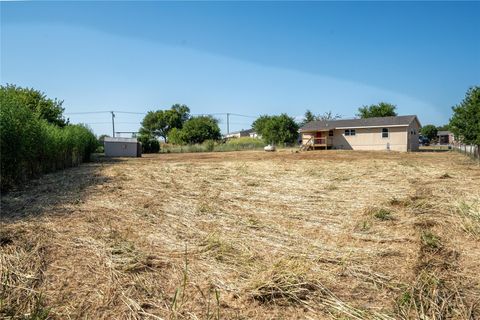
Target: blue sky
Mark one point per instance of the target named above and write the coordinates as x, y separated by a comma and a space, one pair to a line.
249, 57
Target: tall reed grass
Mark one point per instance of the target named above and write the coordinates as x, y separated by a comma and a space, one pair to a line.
30, 146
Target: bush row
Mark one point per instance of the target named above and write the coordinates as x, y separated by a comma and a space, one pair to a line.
30, 145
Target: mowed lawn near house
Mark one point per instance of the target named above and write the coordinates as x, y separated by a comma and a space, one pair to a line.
247, 235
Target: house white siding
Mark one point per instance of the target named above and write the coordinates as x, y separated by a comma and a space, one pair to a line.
371, 139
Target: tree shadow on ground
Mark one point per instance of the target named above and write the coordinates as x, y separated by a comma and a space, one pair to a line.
40, 195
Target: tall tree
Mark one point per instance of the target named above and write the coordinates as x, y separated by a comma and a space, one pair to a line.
465, 121
383, 109
329, 115
308, 117
36, 101
159, 123
259, 124
429, 131
151, 124
276, 129
182, 111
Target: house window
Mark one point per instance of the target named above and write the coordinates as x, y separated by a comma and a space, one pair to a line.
384, 132
350, 132
330, 133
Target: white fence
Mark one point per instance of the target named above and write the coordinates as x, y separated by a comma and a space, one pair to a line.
470, 150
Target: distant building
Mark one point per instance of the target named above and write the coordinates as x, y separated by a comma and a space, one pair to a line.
126, 134
445, 137
242, 133
122, 147
398, 133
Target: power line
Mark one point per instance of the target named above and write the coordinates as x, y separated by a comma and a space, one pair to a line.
130, 112
193, 114
94, 122
228, 114
243, 115
245, 123
88, 112
113, 112
92, 112
109, 122
223, 114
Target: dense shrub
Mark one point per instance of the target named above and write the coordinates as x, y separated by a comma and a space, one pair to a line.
37, 102
149, 145
280, 129
175, 137
30, 145
195, 130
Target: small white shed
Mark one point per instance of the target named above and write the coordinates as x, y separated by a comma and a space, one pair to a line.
122, 147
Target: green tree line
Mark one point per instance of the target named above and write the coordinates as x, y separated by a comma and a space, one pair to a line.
35, 138
465, 121
177, 126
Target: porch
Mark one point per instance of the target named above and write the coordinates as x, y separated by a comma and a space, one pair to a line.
321, 139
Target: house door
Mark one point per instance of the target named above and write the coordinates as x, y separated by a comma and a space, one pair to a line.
318, 136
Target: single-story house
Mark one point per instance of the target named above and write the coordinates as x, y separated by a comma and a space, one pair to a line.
445, 137
242, 133
122, 147
399, 133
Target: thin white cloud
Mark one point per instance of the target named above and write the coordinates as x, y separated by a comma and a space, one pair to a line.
91, 70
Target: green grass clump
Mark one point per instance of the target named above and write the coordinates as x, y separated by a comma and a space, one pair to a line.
381, 214
430, 240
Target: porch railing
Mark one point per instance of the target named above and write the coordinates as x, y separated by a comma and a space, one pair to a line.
313, 142
322, 140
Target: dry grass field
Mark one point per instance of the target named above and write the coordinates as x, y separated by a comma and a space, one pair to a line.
246, 235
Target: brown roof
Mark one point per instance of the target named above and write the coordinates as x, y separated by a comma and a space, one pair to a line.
357, 123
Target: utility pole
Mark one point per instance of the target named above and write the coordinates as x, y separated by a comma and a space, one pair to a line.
228, 123
113, 123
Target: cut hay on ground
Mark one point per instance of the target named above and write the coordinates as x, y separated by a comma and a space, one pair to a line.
246, 235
